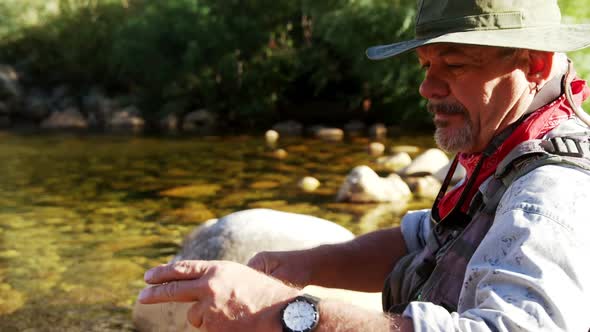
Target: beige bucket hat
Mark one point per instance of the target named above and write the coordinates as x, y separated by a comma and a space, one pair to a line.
528, 24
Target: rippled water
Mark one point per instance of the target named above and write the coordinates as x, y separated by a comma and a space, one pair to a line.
82, 217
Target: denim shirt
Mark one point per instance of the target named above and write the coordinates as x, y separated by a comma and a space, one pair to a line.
531, 272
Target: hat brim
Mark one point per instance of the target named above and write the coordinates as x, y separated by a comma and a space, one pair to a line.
557, 38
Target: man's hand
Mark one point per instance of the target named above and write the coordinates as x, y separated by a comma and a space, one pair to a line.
293, 267
229, 296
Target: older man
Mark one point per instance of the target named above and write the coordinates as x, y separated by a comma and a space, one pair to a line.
505, 250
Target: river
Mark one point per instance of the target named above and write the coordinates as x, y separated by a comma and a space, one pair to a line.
83, 216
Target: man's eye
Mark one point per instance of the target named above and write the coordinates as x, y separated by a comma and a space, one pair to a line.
425, 66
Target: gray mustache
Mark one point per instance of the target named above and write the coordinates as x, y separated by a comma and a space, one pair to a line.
446, 108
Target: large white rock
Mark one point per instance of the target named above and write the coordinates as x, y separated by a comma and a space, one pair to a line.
363, 185
424, 186
459, 174
396, 162
238, 237
429, 162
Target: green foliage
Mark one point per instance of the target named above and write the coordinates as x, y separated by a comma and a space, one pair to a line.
200, 49
577, 12
72, 45
247, 60
391, 84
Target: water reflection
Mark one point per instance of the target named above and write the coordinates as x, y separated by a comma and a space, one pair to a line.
81, 218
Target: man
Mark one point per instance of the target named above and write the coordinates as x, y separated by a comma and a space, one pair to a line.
505, 250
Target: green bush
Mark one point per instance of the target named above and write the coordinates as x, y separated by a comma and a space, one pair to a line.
390, 84
199, 49
253, 62
578, 12
72, 46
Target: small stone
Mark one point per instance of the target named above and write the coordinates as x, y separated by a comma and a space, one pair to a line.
376, 149
271, 136
280, 154
377, 131
308, 184
330, 134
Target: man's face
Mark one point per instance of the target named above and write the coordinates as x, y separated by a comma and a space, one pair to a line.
473, 92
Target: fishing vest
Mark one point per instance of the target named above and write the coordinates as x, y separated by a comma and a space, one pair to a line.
436, 273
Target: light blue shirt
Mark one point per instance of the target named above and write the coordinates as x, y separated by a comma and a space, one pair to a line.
531, 272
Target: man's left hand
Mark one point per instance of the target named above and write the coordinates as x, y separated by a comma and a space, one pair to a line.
229, 296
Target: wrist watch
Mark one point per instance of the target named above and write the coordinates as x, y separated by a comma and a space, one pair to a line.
301, 314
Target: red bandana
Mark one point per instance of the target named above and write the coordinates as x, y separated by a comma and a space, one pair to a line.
535, 126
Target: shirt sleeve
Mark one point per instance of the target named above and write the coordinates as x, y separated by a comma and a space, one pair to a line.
530, 273
416, 227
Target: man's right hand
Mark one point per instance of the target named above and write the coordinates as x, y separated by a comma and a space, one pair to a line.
294, 267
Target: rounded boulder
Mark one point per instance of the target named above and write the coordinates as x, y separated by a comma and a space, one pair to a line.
237, 237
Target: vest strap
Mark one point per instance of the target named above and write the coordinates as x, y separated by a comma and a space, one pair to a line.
567, 146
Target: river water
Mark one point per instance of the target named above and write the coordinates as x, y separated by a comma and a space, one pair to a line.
82, 217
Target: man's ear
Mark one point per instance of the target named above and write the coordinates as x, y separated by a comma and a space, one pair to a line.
539, 67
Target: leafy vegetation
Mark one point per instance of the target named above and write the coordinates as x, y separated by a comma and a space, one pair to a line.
253, 62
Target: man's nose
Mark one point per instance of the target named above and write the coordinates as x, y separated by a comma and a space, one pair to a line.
433, 88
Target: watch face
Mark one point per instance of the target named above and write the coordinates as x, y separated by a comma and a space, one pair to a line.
300, 316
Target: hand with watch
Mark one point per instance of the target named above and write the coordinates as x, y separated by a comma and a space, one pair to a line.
229, 296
